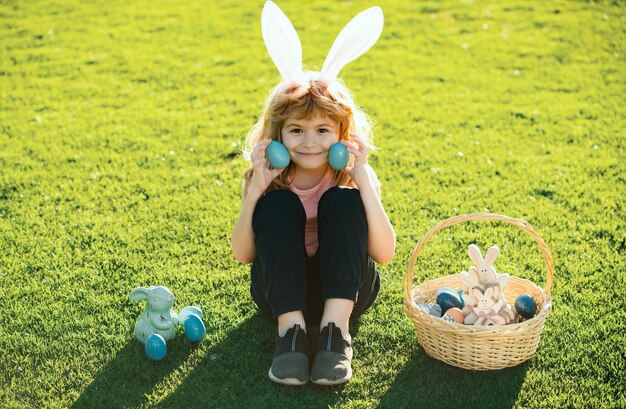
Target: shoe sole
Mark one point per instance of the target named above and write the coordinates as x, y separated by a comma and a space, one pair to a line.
329, 382
286, 381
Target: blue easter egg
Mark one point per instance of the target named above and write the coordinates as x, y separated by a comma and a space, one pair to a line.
434, 309
525, 306
277, 154
460, 293
448, 299
194, 328
338, 157
187, 311
155, 347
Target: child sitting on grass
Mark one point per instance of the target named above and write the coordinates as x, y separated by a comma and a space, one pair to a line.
313, 233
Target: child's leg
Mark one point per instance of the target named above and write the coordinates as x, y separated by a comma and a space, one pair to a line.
288, 320
279, 280
337, 310
340, 311
279, 277
368, 291
342, 229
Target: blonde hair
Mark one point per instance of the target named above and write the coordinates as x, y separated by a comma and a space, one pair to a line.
303, 100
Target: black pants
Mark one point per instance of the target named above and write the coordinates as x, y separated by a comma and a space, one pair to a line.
285, 279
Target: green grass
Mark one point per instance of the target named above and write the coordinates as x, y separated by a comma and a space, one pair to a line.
120, 125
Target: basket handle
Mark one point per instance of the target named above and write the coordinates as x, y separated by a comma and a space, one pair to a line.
547, 255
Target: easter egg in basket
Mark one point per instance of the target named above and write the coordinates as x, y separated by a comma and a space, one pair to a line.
456, 314
449, 299
525, 306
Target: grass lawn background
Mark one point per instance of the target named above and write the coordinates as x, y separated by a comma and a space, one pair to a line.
120, 128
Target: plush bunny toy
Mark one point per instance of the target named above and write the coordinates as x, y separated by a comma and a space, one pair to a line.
486, 271
158, 317
483, 294
486, 307
284, 46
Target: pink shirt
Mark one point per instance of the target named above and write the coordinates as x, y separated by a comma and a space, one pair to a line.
310, 198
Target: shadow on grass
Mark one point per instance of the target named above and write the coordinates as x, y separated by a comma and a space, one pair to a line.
230, 373
233, 374
130, 376
428, 383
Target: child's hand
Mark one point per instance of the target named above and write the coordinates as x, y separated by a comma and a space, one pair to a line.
359, 151
262, 175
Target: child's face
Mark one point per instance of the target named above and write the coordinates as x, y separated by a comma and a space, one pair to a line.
309, 140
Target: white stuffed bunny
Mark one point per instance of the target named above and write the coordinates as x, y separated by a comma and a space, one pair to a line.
483, 294
158, 317
284, 46
486, 307
486, 271
470, 279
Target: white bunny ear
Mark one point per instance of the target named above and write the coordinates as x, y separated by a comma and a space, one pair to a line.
354, 40
466, 280
282, 41
503, 280
475, 255
473, 273
470, 299
491, 255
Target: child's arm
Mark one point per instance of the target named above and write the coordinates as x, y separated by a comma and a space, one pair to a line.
381, 238
242, 240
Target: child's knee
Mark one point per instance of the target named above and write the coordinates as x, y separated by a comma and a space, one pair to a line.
279, 204
341, 200
280, 198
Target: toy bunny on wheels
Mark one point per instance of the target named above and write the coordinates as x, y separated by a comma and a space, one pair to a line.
157, 323
158, 317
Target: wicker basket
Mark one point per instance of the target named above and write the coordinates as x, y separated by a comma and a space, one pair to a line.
470, 346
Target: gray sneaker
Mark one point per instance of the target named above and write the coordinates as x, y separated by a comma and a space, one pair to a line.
290, 365
331, 365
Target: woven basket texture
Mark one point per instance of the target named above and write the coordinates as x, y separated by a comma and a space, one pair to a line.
471, 346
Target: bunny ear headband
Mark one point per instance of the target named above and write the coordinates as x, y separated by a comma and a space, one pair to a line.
284, 46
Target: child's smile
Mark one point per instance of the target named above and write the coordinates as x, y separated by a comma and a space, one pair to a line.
309, 140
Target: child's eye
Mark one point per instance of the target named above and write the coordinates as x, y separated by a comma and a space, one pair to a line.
296, 130
323, 130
